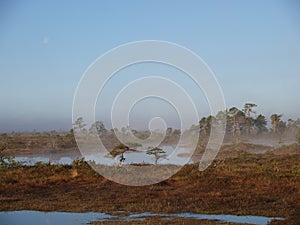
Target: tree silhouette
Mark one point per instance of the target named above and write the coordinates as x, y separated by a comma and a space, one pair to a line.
157, 153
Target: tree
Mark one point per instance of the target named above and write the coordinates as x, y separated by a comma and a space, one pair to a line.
202, 125
98, 127
249, 121
220, 118
157, 152
205, 124
261, 122
177, 132
68, 140
236, 117
293, 125
248, 109
247, 125
79, 124
275, 118
210, 120
120, 149
281, 126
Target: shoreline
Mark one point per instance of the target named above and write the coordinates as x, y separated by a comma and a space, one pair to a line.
243, 184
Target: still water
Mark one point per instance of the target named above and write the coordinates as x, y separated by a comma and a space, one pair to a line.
67, 218
105, 159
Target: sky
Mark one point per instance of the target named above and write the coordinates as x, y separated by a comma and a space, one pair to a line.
253, 48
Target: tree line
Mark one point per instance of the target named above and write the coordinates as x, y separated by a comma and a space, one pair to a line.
245, 121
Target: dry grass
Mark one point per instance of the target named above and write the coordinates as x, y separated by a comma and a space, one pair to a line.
248, 184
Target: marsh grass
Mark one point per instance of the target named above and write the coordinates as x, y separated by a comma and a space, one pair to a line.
242, 184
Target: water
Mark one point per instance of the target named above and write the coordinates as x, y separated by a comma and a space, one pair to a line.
105, 159
178, 158
67, 218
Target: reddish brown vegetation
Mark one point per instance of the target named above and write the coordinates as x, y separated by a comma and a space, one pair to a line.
265, 184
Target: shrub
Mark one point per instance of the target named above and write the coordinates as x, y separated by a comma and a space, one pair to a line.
7, 161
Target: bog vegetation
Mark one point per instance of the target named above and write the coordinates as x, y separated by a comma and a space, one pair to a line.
238, 182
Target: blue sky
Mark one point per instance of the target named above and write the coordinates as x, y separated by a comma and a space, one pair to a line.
253, 47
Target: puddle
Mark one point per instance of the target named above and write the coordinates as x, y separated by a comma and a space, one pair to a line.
67, 218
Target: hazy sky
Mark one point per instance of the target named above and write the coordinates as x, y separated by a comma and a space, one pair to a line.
253, 47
